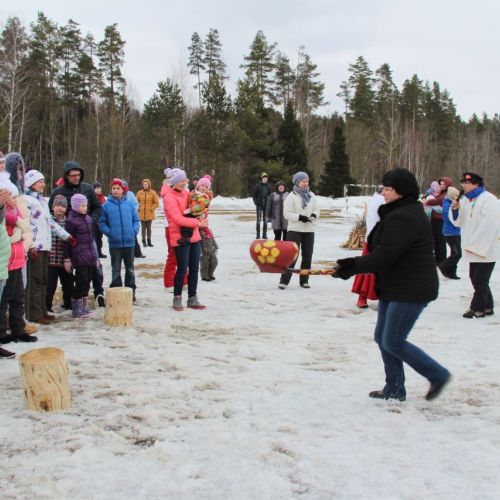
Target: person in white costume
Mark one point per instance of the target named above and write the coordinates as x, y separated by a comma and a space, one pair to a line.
477, 213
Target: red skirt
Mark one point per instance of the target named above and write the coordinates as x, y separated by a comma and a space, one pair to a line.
364, 284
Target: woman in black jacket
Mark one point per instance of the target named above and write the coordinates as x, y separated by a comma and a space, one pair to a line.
401, 257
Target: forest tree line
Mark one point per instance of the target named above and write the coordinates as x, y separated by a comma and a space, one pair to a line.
63, 96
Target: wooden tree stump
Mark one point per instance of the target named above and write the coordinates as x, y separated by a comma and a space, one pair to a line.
118, 306
44, 373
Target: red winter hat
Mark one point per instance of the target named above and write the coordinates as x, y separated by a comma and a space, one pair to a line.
119, 182
59, 181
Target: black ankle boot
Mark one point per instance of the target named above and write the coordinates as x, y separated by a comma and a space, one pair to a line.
149, 243
382, 395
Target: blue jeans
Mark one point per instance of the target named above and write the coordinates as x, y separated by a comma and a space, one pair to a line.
394, 323
126, 255
188, 256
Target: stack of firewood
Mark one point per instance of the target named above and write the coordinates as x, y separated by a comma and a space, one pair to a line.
357, 235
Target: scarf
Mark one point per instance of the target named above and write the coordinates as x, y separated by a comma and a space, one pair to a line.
304, 193
474, 193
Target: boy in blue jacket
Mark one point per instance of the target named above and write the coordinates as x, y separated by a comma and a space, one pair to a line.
119, 221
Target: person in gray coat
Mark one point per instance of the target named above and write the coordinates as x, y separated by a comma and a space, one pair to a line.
274, 211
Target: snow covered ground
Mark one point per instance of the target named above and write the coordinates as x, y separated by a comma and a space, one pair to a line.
261, 396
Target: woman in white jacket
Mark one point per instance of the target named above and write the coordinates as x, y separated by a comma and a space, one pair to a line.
302, 213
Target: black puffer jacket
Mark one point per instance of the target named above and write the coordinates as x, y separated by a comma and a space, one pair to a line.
68, 190
401, 254
261, 193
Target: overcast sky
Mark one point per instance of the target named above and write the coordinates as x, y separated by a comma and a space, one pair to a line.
445, 41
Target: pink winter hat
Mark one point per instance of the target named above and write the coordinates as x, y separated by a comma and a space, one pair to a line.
204, 182
77, 200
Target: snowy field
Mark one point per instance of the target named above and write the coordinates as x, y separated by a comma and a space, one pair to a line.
261, 396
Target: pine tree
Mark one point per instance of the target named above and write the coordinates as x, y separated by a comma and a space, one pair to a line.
164, 115
259, 66
213, 60
111, 57
309, 92
291, 140
196, 62
284, 81
336, 171
358, 91
388, 118
70, 52
217, 100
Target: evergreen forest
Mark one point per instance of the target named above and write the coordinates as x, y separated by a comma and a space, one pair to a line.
63, 96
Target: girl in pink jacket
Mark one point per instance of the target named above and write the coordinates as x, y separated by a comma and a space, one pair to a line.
175, 201
13, 294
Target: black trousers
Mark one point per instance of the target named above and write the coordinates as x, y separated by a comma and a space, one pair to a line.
278, 233
56, 274
439, 243
36, 288
137, 248
98, 240
449, 265
83, 276
480, 274
13, 302
305, 242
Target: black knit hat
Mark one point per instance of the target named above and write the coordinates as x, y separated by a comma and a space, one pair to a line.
403, 182
96, 185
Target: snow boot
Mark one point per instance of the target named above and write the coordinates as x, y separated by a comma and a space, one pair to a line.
362, 304
6, 339
78, 309
194, 303
177, 303
100, 300
85, 306
469, 314
4, 354
24, 338
436, 388
382, 395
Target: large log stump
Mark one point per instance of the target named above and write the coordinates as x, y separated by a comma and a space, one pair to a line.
118, 306
44, 373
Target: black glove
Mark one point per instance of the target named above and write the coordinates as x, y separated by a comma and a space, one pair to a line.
343, 268
303, 218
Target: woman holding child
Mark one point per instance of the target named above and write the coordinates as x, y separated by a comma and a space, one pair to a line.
187, 251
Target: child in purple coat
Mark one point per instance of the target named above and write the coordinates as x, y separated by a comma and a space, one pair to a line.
83, 256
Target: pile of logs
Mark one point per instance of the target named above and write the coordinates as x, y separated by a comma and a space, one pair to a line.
357, 235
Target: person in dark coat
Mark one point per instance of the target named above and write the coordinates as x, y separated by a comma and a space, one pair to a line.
261, 193
274, 211
83, 256
401, 256
73, 184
